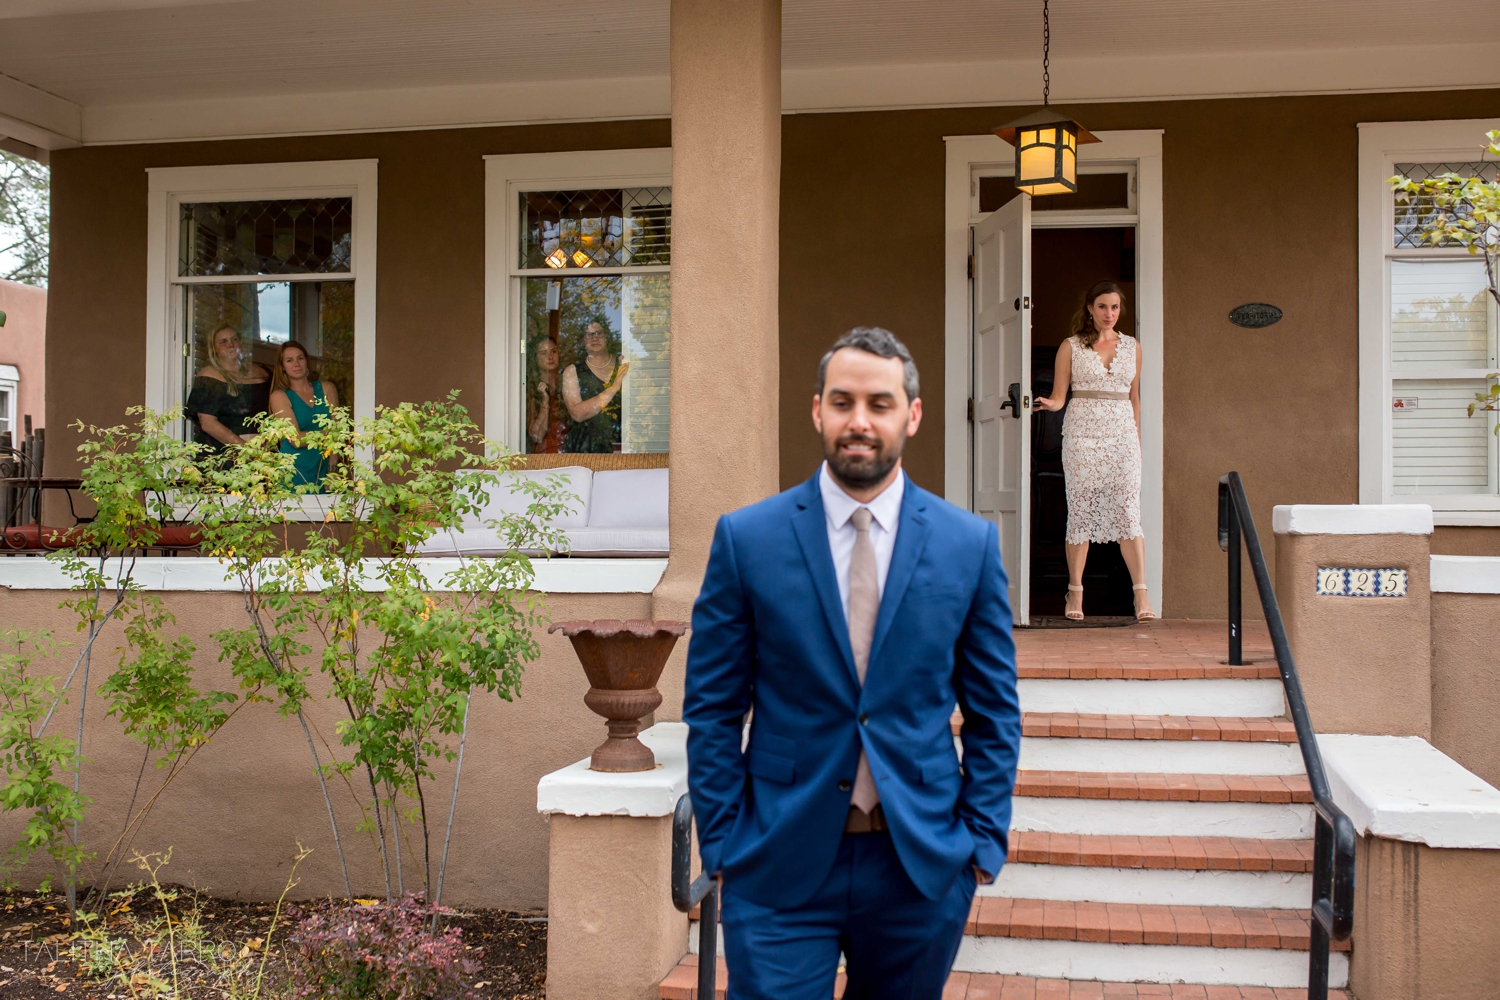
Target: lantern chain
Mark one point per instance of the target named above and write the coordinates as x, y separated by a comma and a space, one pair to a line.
1046, 54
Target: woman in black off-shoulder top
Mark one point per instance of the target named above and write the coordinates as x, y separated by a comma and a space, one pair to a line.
226, 393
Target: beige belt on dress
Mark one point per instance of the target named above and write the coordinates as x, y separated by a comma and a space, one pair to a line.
1098, 394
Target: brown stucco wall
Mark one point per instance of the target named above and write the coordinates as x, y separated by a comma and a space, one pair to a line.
1260, 206
236, 814
1426, 922
430, 302
1466, 680
1453, 540
23, 343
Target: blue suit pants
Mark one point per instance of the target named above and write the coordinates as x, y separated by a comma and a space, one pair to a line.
898, 944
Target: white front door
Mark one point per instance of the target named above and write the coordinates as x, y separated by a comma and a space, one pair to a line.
1002, 387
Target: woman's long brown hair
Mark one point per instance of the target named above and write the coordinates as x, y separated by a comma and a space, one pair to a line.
1083, 320
279, 378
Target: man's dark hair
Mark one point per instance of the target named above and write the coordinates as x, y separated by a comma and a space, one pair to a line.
883, 344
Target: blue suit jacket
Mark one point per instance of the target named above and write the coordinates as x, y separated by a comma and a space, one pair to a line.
769, 632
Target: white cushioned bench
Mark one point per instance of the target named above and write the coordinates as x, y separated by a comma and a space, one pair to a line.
614, 513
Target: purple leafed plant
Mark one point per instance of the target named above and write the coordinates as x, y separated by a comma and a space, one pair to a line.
383, 951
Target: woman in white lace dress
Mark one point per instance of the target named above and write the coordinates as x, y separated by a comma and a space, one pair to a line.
1101, 442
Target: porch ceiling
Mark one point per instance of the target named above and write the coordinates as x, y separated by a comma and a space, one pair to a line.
127, 70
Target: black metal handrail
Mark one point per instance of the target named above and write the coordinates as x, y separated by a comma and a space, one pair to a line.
703, 892
1333, 844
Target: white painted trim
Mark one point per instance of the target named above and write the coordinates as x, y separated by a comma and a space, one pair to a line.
1143, 963
1464, 574
1087, 79
1152, 886
1351, 519
169, 187
1403, 788
203, 574
1055, 753
1143, 818
1466, 518
578, 791
1381, 146
964, 153
1215, 696
505, 176
10, 373
37, 117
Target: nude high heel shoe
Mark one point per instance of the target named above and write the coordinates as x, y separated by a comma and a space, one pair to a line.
1076, 616
1143, 616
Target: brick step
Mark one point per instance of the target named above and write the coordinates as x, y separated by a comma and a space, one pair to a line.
1187, 853
1129, 923
1153, 670
1164, 787
1174, 697
682, 984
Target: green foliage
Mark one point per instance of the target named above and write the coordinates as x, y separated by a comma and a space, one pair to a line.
36, 766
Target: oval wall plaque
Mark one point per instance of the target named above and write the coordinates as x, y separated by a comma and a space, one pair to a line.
1254, 315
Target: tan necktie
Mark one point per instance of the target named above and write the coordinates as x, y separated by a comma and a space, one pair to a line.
864, 607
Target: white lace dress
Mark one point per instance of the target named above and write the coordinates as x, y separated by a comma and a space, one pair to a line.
1101, 450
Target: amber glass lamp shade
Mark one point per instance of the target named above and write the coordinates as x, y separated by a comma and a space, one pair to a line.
1046, 152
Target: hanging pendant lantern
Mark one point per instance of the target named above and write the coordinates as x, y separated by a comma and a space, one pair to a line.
1046, 142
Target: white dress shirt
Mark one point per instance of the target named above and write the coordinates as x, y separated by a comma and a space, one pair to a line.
885, 518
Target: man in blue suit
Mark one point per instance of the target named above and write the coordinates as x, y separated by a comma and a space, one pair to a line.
846, 617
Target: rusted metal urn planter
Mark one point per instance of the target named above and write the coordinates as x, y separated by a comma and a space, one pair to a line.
623, 661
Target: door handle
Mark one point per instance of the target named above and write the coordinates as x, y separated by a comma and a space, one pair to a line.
1013, 403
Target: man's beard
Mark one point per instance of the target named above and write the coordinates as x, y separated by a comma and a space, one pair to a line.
861, 473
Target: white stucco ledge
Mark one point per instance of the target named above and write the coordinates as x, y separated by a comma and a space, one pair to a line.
1352, 519
1403, 788
206, 574
577, 791
1465, 575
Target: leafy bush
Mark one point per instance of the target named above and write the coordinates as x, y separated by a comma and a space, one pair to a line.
378, 951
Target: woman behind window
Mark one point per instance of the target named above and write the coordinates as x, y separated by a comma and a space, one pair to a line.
1101, 442
300, 397
545, 424
226, 393
591, 391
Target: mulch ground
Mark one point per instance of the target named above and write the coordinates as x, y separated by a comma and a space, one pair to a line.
36, 962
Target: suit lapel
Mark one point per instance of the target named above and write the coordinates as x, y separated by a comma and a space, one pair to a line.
811, 527
911, 539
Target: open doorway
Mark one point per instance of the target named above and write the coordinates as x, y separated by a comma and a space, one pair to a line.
1064, 263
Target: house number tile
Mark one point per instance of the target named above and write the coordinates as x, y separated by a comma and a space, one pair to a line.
1339, 581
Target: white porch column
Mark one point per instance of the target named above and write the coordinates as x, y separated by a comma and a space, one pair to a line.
726, 198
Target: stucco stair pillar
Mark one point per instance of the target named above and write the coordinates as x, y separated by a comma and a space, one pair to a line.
726, 203
1365, 662
611, 928
1426, 914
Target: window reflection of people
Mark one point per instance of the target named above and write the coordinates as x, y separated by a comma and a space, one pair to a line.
226, 393
546, 425
300, 397
591, 391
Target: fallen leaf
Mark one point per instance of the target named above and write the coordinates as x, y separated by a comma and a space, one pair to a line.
6, 968
61, 987
480, 986
256, 944
245, 952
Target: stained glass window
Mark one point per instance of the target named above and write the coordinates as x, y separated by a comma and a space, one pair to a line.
294, 236
612, 227
1414, 216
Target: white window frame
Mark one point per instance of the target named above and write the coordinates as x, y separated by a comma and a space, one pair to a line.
10, 381
1381, 146
170, 187
505, 177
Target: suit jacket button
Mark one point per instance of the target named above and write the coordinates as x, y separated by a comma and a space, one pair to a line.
864, 720
844, 786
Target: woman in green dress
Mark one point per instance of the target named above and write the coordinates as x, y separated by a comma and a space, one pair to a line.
300, 397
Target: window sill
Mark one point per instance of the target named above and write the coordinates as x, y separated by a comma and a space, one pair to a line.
206, 575
1466, 518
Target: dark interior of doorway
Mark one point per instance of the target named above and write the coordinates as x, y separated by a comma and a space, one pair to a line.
1064, 263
